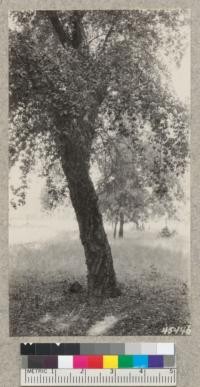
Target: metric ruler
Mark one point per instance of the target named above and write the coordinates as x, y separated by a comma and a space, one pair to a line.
96, 377
130, 364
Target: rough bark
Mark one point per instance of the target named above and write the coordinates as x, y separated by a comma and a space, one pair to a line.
101, 275
121, 225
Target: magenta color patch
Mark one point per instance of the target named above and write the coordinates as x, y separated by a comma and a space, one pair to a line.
80, 361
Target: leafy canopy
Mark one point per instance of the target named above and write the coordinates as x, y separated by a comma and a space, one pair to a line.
82, 76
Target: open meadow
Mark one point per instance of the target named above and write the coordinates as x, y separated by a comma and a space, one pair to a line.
45, 259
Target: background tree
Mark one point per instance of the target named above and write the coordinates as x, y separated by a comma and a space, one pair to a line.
141, 170
122, 194
67, 69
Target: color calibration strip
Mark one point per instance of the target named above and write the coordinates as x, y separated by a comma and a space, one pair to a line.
98, 364
97, 361
98, 349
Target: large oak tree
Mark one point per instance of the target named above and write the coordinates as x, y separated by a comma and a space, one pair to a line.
67, 70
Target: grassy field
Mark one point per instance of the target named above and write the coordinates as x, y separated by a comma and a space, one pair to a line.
152, 273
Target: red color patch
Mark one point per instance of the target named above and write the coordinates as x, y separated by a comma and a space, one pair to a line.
95, 361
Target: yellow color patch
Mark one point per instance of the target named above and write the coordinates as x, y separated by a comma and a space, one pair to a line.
110, 361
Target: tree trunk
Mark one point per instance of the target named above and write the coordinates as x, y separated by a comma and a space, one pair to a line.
136, 224
100, 271
121, 225
115, 228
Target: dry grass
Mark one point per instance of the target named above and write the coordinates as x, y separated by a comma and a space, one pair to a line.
152, 274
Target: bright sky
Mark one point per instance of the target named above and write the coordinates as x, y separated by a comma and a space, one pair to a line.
181, 77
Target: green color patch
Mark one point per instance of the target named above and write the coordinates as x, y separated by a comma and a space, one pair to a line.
125, 361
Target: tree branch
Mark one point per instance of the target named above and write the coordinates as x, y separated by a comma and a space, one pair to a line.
96, 37
107, 37
109, 33
58, 27
75, 38
77, 29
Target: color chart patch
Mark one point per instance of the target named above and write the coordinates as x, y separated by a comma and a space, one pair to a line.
98, 349
97, 361
87, 364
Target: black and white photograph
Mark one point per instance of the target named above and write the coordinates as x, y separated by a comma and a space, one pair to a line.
99, 172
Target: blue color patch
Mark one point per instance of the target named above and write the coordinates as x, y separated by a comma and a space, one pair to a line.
140, 361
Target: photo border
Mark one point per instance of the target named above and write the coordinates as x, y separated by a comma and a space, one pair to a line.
187, 347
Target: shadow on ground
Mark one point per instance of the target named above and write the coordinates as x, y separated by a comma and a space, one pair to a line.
145, 307
152, 274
